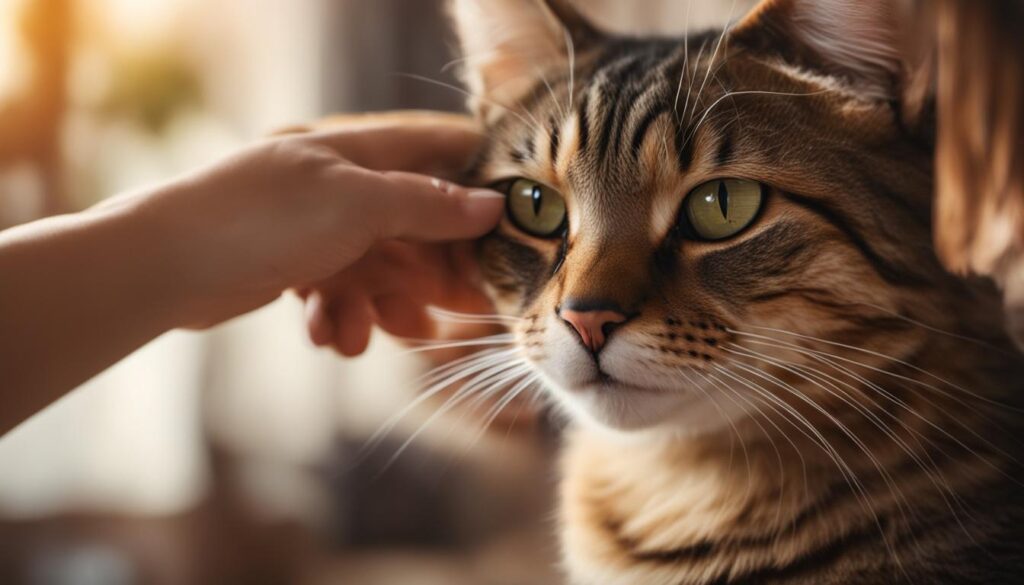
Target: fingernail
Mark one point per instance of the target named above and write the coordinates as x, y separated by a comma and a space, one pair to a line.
485, 194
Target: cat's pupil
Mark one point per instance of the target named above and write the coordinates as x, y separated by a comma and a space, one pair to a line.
723, 199
537, 200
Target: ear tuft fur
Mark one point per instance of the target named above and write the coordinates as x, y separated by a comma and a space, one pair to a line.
855, 40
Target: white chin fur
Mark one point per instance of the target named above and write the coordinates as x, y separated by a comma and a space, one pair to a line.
650, 400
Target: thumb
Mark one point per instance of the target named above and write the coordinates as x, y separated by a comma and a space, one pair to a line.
417, 207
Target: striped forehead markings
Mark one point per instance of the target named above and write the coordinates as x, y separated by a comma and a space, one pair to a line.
631, 84
583, 120
554, 132
636, 103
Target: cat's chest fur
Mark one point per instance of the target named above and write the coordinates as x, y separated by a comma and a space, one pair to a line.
679, 512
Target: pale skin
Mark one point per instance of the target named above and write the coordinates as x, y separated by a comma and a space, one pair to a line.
354, 220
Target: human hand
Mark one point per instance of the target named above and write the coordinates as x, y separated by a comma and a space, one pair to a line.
353, 217
344, 216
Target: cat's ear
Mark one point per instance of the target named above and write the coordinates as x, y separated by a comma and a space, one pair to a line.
856, 40
507, 43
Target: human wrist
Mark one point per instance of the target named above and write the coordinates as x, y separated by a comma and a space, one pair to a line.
171, 273
212, 263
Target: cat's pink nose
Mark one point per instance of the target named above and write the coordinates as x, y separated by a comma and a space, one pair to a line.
593, 326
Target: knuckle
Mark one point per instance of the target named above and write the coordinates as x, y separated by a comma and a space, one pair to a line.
303, 155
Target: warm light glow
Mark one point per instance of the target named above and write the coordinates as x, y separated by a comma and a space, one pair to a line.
15, 68
138, 22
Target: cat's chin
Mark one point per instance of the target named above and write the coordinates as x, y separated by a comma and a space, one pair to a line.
618, 406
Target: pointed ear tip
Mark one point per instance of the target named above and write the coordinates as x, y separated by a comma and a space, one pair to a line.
579, 26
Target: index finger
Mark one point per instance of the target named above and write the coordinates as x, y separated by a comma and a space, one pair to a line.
431, 143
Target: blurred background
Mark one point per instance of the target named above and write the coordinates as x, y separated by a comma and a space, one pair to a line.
235, 455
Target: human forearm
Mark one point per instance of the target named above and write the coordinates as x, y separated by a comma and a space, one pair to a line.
77, 293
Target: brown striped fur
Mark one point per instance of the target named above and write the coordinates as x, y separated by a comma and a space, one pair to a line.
815, 400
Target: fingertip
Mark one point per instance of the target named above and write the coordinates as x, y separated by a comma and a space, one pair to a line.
484, 209
426, 208
354, 342
318, 321
486, 194
353, 325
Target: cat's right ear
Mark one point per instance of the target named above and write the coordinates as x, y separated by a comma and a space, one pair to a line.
506, 44
855, 40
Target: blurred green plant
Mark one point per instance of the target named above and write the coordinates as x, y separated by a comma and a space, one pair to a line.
152, 89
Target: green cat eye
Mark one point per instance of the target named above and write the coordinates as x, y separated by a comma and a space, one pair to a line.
536, 209
722, 208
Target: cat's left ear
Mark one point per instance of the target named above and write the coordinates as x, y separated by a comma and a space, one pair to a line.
856, 41
507, 44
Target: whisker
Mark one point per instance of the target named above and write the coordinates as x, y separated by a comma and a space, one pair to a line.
535, 124
739, 437
902, 503
828, 359
803, 463
838, 458
482, 369
887, 357
815, 435
436, 374
488, 383
471, 318
561, 111
511, 395
778, 454
531, 401
696, 386
707, 111
478, 56
689, 87
714, 55
686, 63
570, 48
849, 476
933, 472
432, 345
975, 341
496, 386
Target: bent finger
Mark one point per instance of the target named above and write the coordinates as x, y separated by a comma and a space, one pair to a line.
353, 321
319, 324
402, 317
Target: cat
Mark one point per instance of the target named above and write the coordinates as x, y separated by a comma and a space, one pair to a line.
717, 255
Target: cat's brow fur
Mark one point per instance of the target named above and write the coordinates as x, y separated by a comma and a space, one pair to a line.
904, 467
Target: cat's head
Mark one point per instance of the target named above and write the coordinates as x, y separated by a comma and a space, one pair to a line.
692, 220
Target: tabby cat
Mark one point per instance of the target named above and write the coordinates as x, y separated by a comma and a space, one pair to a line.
717, 255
